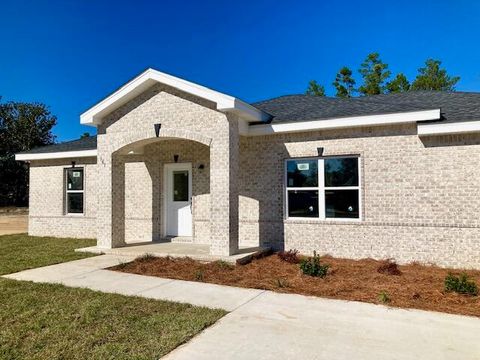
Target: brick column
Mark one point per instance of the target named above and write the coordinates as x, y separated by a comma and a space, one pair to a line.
224, 158
111, 198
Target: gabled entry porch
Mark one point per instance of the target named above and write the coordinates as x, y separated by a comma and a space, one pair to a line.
168, 165
156, 107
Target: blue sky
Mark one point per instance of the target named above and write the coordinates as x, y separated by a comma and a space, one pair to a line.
71, 54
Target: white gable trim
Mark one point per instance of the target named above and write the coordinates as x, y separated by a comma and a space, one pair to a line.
56, 155
135, 87
448, 128
346, 122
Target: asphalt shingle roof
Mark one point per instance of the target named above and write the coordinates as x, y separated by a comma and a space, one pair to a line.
87, 143
455, 106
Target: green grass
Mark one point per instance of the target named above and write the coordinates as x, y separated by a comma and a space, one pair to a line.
20, 252
44, 321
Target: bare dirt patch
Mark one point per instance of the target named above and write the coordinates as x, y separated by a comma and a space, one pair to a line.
13, 222
417, 286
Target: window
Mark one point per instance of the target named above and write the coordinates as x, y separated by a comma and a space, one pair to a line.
180, 185
74, 190
324, 188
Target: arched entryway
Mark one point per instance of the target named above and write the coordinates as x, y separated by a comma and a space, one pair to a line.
166, 190
155, 183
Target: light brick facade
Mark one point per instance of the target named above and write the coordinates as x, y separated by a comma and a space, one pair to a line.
419, 196
47, 200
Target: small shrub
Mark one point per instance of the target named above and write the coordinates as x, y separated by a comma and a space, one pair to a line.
389, 267
311, 266
290, 256
145, 257
122, 265
460, 284
222, 264
383, 297
282, 283
199, 275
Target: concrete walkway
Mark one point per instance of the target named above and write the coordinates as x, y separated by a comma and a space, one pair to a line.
89, 273
267, 325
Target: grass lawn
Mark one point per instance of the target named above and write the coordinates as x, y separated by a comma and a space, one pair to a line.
20, 252
45, 321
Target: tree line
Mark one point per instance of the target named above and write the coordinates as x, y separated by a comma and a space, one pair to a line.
23, 126
377, 79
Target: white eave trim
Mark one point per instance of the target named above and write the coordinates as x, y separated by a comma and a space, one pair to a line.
56, 155
448, 128
345, 122
133, 88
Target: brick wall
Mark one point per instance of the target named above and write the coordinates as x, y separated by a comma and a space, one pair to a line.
420, 196
47, 200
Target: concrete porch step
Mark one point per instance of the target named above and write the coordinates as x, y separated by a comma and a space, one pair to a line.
199, 252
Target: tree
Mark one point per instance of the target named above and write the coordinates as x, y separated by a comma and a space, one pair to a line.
398, 84
374, 73
23, 126
344, 83
432, 77
315, 89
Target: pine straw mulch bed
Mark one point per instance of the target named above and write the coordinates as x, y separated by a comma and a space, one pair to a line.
418, 286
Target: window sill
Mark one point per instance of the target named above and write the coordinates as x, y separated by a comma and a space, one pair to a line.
74, 215
299, 220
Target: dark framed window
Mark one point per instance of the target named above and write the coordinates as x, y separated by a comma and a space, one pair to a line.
324, 188
180, 185
303, 203
74, 191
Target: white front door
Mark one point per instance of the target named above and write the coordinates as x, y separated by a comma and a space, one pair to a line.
178, 191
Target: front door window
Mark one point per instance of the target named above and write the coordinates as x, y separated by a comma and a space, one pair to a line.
180, 185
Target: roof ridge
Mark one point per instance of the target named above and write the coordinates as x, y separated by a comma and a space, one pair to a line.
369, 97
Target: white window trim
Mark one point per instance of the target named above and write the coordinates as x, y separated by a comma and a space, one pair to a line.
321, 190
66, 191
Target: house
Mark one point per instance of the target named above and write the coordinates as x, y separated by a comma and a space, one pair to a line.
386, 176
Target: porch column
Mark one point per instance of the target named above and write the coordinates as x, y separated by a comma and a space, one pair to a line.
110, 197
224, 158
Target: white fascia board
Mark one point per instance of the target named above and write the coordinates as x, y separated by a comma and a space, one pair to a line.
56, 155
249, 112
448, 128
346, 122
224, 102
